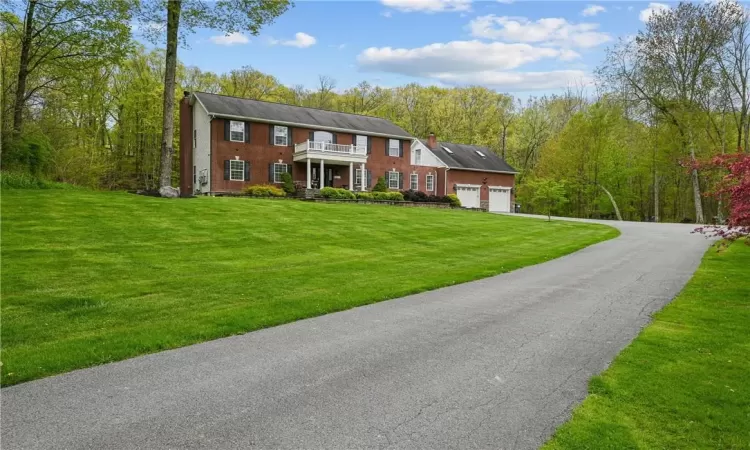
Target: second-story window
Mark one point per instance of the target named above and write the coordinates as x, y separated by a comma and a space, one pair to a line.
236, 131
394, 147
323, 136
361, 142
418, 156
280, 135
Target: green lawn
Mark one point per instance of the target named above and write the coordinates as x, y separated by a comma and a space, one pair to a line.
685, 381
92, 277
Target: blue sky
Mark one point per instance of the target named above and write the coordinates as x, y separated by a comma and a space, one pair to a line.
518, 47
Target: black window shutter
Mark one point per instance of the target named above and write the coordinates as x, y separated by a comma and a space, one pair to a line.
369, 144
226, 129
247, 170
271, 139
289, 168
387, 144
247, 132
333, 139
311, 135
270, 172
289, 140
369, 178
400, 149
226, 169
400, 180
387, 179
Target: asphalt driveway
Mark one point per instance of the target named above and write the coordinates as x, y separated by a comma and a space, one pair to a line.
496, 363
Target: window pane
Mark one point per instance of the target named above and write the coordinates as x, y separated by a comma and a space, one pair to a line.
280, 135
414, 182
418, 156
236, 170
393, 180
322, 136
278, 169
429, 182
393, 147
236, 131
361, 141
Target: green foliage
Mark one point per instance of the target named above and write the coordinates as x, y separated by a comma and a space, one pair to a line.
29, 153
453, 200
548, 194
390, 196
380, 185
264, 190
337, 193
288, 184
23, 180
365, 196
265, 267
682, 383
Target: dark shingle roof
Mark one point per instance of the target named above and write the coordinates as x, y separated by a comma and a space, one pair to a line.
221, 105
466, 157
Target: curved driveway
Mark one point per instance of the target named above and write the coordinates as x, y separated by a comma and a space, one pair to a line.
496, 363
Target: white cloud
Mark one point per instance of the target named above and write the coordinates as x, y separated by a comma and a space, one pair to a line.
428, 5
455, 56
387, 14
301, 40
593, 10
549, 31
230, 39
652, 8
519, 81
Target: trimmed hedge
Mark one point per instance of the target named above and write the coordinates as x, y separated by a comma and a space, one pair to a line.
391, 196
264, 190
418, 196
337, 193
453, 200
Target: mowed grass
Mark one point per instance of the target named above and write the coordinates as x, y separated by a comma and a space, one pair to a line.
92, 277
685, 381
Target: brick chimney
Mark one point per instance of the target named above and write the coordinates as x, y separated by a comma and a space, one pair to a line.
432, 141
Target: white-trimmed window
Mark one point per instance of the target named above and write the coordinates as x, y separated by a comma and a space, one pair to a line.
414, 182
278, 169
358, 178
236, 169
393, 180
323, 136
280, 136
418, 156
236, 131
394, 147
480, 153
361, 142
430, 182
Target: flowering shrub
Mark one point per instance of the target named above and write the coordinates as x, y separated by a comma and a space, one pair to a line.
735, 187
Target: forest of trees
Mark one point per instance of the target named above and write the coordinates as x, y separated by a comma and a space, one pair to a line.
87, 108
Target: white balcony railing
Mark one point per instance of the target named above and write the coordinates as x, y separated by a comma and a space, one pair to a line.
327, 147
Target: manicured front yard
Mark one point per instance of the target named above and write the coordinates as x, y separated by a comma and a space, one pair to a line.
685, 381
91, 277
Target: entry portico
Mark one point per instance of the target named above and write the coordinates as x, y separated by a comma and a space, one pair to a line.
321, 152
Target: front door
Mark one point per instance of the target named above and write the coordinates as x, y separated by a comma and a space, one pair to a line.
328, 177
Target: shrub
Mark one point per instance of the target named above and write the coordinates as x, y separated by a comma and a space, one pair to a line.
416, 196
390, 196
287, 183
264, 190
380, 186
453, 200
23, 180
365, 196
337, 193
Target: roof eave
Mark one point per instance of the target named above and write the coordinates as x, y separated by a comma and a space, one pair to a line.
483, 170
309, 125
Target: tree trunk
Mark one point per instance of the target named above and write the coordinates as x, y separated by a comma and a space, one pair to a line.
696, 188
167, 138
23, 68
656, 195
505, 132
612, 199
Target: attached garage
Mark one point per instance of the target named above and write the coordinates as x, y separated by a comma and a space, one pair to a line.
499, 199
468, 194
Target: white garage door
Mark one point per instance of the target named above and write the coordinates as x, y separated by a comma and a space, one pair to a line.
499, 199
469, 196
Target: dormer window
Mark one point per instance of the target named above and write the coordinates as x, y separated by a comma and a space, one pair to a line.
447, 150
480, 153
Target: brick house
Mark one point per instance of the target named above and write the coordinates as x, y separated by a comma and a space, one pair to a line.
228, 143
479, 177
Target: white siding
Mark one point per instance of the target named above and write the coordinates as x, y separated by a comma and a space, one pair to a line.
428, 158
202, 149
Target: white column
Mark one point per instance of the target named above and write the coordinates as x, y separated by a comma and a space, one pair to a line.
351, 176
322, 175
364, 176
309, 174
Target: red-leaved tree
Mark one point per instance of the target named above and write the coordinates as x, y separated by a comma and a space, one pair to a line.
735, 188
